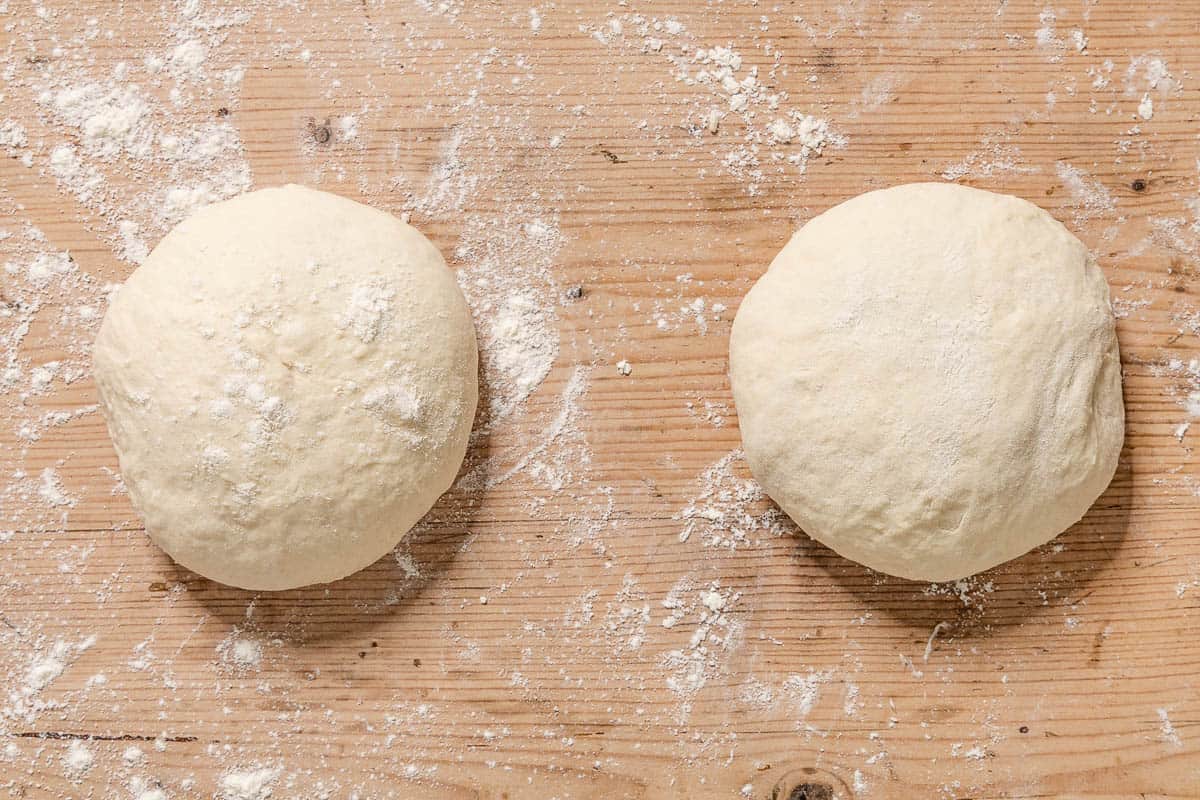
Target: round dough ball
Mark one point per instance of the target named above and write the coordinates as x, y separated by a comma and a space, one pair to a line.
927, 379
289, 380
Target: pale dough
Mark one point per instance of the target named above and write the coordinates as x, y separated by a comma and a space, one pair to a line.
927, 379
289, 380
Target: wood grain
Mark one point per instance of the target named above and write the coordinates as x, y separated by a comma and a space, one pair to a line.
1050, 676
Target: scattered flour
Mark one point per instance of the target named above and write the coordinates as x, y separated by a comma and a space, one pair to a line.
1149, 72
51, 490
12, 136
1047, 35
121, 127
879, 91
1091, 198
252, 784
932, 638
1166, 729
141, 791
729, 511
1146, 107
78, 760
714, 635
45, 670
240, 652
186, 60
519, 351
803, 691
774, 135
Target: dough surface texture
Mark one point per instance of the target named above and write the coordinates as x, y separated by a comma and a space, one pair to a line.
289, 381
927, 380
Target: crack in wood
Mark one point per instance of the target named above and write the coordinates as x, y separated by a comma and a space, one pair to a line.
9, 623
98, 737
612, 157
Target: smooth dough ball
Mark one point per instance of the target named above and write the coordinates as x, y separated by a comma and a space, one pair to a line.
927, 379
289, 380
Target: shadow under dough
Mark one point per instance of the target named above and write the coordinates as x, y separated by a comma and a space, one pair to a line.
1011, 593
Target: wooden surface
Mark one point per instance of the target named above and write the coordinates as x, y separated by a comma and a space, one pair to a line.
1070, 672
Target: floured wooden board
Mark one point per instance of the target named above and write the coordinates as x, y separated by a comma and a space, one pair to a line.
606, 607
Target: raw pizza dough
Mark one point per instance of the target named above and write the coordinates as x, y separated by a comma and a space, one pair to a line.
289, 380
927, 379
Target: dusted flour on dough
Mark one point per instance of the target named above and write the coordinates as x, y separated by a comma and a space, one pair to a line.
927, 379
289, 380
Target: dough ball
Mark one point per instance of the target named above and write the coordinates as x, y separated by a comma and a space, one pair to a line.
927, 379
289, 381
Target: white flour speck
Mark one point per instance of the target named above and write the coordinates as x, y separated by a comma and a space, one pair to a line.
1166, 729
78, 760
252, 784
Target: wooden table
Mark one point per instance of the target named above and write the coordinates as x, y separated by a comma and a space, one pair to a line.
781, 670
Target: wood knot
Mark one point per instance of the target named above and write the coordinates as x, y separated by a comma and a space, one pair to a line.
810, 783
811, 791
320, 133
